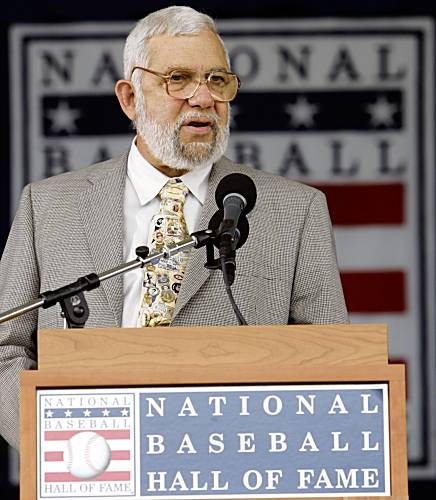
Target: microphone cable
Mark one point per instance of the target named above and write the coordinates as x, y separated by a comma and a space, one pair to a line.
241, 319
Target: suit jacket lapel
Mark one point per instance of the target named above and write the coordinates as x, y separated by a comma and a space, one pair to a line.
196, 274
101, 207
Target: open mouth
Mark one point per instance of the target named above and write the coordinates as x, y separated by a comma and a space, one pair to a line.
199, 124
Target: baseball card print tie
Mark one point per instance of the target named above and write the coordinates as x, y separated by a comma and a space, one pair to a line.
161, 283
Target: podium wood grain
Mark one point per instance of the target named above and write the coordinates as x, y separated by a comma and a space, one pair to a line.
259, 346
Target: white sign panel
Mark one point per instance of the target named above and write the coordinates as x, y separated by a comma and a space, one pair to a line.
214, 442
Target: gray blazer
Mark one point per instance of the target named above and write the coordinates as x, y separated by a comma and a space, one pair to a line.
72, 224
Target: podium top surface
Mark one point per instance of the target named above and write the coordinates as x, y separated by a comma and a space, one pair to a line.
213, 347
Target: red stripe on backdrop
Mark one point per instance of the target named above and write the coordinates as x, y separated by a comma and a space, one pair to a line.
55, 477
374, 291
65, 435
365, 204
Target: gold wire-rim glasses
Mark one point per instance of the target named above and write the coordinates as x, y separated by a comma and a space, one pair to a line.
206, 80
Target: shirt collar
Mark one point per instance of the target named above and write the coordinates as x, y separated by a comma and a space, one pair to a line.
147, 181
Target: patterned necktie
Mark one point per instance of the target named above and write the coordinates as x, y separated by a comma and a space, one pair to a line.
162, 280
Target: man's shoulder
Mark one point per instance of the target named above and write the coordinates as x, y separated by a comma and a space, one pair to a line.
272, 184
93, 173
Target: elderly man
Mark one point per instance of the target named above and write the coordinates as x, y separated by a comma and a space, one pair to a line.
176, 90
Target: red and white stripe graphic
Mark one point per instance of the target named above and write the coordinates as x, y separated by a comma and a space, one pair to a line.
374, 278
55, 469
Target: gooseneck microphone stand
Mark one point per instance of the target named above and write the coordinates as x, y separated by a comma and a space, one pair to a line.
72, 299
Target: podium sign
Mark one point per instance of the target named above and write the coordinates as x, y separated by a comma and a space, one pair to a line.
244, 441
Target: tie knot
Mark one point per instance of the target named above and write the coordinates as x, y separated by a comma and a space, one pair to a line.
174, 190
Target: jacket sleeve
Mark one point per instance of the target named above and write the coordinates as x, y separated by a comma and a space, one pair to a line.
317, 295
19, 283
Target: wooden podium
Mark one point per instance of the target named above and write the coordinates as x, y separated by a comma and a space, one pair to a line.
306, 354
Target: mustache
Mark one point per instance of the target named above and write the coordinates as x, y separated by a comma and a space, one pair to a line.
196, 115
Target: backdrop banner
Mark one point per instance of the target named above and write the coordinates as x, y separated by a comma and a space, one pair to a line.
344, 105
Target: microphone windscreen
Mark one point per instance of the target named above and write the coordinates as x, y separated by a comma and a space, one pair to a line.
243, 227
237, 184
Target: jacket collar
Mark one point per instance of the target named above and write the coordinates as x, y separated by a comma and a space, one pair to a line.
196, 274
101, 208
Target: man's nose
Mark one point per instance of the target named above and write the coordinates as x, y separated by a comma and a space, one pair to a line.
202, 97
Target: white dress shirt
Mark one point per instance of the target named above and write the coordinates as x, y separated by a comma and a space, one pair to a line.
141, 202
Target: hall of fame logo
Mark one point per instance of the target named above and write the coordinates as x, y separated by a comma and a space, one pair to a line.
85, 444
345, 105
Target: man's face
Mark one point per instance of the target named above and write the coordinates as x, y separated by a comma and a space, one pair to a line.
182, 133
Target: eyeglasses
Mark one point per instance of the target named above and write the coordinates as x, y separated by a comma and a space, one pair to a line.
183, 84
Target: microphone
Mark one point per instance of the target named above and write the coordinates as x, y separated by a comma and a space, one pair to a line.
235, 196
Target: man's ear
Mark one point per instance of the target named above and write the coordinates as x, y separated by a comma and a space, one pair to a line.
126, 97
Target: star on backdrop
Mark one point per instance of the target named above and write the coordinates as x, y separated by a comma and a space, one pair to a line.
382, 112
63, 118
301, 112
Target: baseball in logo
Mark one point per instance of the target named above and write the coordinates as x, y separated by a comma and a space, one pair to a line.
87, 455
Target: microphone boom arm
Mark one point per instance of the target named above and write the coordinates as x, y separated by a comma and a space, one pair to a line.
71, 297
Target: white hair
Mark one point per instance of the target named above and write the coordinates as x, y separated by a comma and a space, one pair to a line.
173, 21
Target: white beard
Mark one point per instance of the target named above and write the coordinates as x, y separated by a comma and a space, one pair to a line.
163, 140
